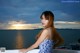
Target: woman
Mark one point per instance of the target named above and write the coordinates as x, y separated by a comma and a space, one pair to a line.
48, 38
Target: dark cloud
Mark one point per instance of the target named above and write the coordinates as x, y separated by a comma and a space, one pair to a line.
30, 10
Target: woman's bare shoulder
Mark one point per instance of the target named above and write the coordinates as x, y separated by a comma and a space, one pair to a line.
49, 35
49, 30
45, 30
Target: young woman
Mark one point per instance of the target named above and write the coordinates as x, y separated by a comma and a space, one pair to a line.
48, 38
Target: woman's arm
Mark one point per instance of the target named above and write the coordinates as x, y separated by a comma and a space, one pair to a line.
40, 39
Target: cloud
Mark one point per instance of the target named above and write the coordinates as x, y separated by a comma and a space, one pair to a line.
23, 25
16, 22
62, 16
26, 14
30, 10
67, 25
66, 22
19, 25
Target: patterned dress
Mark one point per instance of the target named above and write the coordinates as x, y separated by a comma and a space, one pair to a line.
46, 46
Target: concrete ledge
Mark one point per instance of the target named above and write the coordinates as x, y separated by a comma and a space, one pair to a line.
37, 50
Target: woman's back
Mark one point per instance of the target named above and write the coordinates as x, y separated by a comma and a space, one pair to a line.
49, 36
47, 45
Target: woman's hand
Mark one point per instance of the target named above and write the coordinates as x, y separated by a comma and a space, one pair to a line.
23, 50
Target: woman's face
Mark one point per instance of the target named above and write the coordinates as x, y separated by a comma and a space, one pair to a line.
44, 21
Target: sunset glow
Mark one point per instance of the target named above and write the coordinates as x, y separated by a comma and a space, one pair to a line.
17, 26
21, 26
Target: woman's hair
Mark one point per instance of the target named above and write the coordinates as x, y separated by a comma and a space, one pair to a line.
49, 16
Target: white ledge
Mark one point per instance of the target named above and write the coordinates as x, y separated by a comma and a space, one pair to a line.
37, 50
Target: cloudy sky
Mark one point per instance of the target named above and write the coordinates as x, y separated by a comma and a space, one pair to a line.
29, 11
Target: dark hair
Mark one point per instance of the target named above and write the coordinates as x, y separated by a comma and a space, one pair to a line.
47, 14
50, 16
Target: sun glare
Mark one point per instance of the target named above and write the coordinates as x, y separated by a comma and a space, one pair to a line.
21, 26
18, 26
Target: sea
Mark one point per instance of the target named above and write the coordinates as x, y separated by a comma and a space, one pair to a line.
17, 39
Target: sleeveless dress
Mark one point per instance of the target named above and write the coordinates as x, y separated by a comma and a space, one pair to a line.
46, 46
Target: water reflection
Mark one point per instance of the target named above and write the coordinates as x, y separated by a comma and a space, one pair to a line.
19, 40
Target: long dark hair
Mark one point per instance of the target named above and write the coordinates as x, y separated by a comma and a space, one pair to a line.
49, 16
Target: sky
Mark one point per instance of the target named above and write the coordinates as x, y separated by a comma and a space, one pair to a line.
29, 11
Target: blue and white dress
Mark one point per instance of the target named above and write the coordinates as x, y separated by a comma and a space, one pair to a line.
46, 46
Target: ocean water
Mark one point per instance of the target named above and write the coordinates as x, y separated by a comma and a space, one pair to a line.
16, 39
